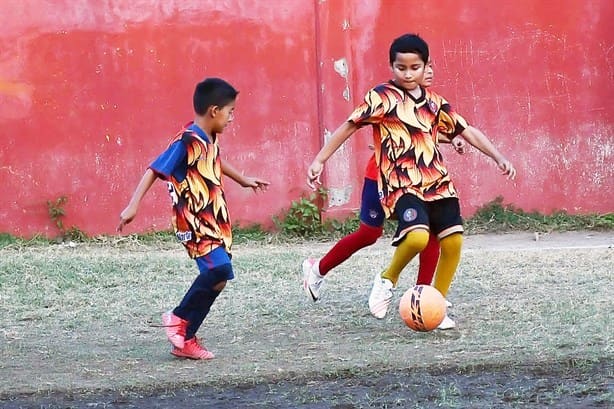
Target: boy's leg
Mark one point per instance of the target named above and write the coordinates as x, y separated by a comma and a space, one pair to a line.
365, 236
215, 269
410, 238
414, 242
370, 229
197, 302
428, 261
447, 223
450, 258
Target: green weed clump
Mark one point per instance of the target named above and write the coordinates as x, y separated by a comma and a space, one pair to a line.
57, 212
303, 218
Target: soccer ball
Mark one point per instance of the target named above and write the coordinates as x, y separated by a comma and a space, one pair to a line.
422, 308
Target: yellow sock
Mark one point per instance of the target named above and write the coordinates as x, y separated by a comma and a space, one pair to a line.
448, 262
414, 242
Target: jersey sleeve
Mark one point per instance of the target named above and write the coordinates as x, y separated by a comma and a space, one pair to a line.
450, 123
372, 110
171, 162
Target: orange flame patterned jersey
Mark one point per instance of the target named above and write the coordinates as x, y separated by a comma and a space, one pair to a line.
200, 216
405, 139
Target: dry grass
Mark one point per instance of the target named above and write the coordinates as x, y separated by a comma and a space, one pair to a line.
78, 318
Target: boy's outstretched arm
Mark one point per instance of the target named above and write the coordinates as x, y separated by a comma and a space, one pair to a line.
245, 181
457, 142
336, 140
128, 214
476, 138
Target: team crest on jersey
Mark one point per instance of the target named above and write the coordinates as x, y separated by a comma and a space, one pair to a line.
373, 214
410, 215
432, 106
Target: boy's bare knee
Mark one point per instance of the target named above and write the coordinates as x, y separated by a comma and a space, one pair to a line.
220, 286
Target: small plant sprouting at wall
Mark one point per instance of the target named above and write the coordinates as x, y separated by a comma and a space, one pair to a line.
303, 218
57, 212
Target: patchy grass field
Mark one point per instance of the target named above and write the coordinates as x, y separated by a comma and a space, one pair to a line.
534, 330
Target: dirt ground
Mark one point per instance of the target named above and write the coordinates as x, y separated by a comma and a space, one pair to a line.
480, 388
568, 384
539, 241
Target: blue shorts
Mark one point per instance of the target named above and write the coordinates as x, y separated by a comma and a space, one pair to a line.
441, 217
371, 211
216, 263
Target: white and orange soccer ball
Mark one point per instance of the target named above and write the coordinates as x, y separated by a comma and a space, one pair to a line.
422, 308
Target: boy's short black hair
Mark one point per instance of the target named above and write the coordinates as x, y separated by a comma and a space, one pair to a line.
213, 92
409, 43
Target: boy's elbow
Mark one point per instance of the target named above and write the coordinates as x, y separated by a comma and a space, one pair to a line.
154, 174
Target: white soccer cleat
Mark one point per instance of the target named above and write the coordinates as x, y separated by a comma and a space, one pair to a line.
380, 297
312, 281
447, 323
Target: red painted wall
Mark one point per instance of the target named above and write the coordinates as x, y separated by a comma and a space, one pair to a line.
91, 92
535, 76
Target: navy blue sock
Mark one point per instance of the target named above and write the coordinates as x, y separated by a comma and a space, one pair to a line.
197, 302
198, 315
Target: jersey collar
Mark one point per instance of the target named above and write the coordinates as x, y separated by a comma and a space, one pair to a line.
199, 132
420, 98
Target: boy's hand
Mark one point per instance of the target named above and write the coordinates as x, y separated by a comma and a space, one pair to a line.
459, 144
507, 168
126, 217
313, 174
255, 183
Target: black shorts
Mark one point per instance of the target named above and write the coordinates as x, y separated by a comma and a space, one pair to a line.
441, 217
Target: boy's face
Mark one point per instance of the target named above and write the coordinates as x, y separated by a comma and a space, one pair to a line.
408, 70
427, 80
222, 116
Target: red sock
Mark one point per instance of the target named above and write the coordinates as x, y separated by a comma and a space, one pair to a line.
350, 244
428, 261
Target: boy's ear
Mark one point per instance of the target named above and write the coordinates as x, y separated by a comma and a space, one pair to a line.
213, 110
